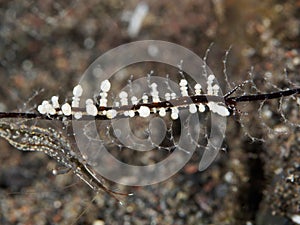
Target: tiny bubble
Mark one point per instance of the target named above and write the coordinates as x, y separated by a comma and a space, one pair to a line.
57, 204
89, 43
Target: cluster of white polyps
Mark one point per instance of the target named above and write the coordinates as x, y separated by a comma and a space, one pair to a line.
47, 108
215, 107
91, 109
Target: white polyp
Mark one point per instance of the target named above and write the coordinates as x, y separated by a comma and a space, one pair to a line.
174, 113
209, 90
78, 115
154, 86
168, 96
103, 102
91, 109
198, 89
201, 107
183, 83
223, 111
89, 101
184, 91
77, 91
296, 218
124, 101
174, 116
134, 100
198, 86
192, 108
173, 95
103, 94
144, 111
215, 89
212, 106
46, 108
66, 109
105, 86
50, 110
123, 98
110, 114
126, 113
123, 94
219, 109
154, 92
55, 102
117, 104
210, 81
131, 113
41, 109
156, 98
145, 98
44, 103
75, 102
211, 78
162, 112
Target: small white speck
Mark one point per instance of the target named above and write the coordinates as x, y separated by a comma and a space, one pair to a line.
296, 61
57, 204
228, 177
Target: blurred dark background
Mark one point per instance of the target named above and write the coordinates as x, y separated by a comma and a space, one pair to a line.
48, 45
